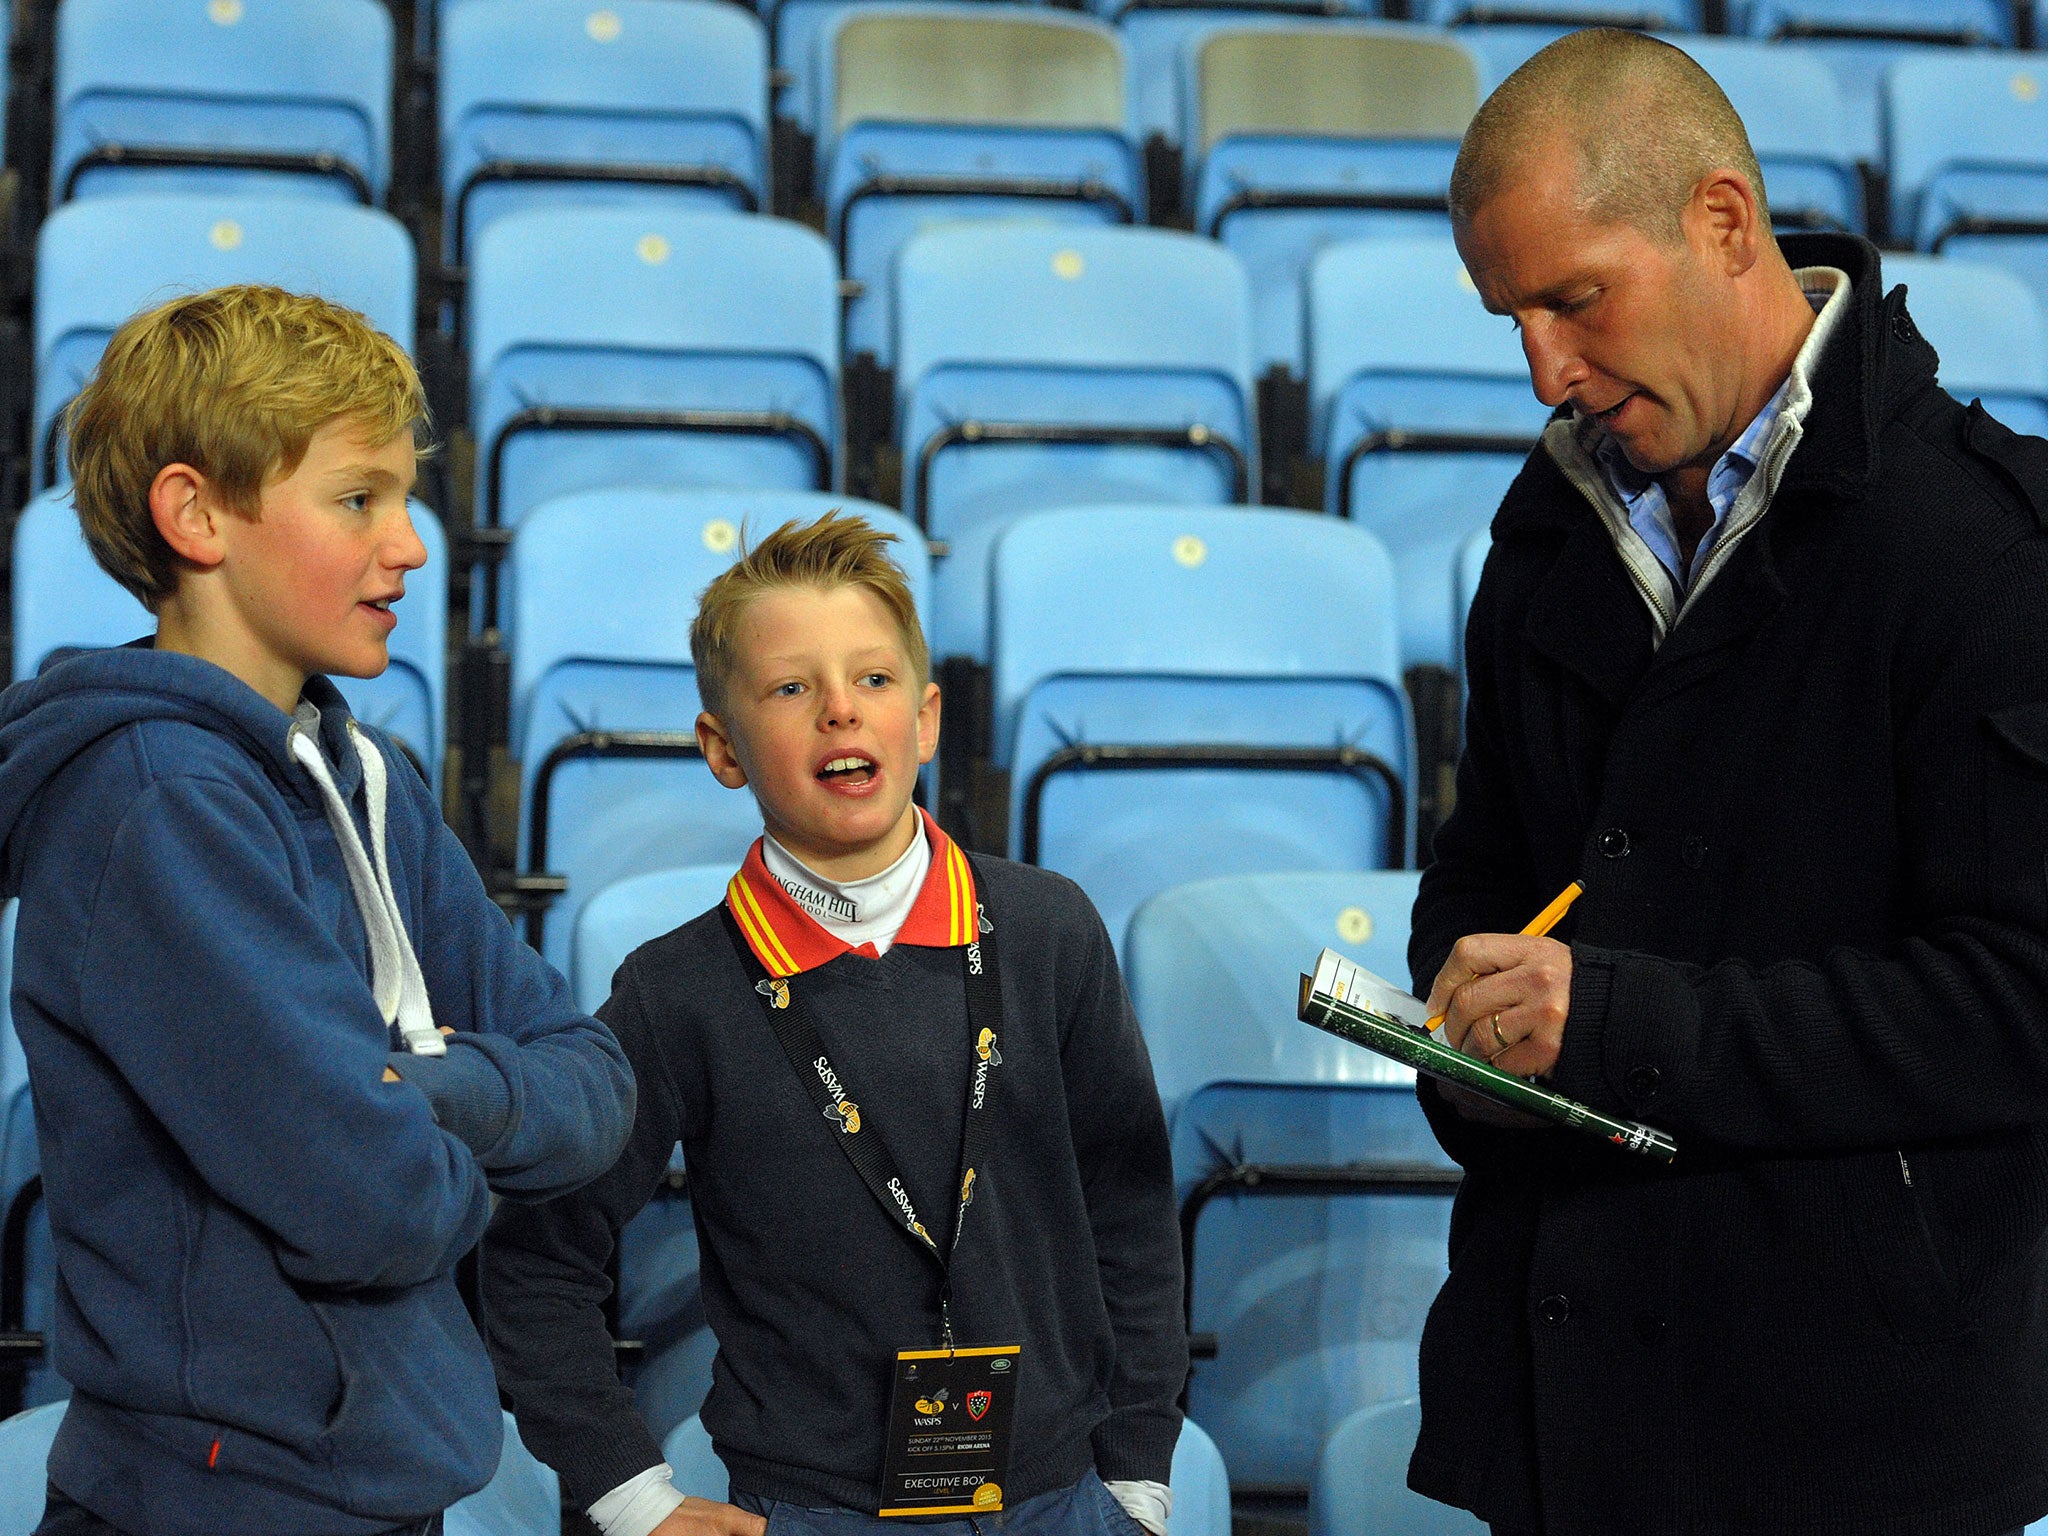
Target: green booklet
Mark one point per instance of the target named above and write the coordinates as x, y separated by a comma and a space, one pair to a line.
1352, 1003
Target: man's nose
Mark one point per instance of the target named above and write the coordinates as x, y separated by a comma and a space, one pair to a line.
1554, 368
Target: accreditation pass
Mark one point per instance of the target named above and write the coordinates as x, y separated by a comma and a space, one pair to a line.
949, 1430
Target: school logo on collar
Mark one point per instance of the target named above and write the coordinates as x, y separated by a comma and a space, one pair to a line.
776, 991
821, 904
978, 1404
842, 1109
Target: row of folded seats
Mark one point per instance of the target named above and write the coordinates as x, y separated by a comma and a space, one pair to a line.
1292, 133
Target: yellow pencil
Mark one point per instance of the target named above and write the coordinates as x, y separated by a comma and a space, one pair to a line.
1539, 925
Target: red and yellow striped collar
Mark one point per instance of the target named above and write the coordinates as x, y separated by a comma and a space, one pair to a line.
787, 940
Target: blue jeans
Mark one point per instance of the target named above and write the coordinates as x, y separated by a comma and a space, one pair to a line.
62, 1517
1086, 1509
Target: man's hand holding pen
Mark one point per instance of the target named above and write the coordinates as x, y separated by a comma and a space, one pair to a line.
1504, 998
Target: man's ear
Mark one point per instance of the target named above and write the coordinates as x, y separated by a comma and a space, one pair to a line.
716, 745
182, 506
1724, 213
928, 723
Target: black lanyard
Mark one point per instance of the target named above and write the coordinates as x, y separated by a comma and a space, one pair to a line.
791, 1021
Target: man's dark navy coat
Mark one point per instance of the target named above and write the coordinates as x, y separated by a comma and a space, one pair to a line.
1813, 830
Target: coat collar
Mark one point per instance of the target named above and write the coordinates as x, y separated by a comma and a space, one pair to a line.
787, 940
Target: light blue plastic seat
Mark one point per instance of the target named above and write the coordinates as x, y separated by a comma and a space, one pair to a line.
1791, 106
1860, 40
603, 589
1313, 1292
99, 262
630, 912
523, 1497
1989, 329
1967, 149
1300, 135
1182, 692
1042, 367
620, 346
1361, 1486
939, 113
62, 598
694, 1466
25, 1441
646, 104
253, 96
1421, 410
1471, 562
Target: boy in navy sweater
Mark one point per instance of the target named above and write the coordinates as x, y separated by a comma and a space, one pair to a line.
916, 1112
282, 1045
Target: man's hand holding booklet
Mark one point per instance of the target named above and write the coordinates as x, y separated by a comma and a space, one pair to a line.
1351, 1002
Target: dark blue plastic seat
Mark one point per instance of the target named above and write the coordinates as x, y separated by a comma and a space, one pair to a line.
1181, 692
1421, 410
1314, 1197
100, 261
252, 96
647, 104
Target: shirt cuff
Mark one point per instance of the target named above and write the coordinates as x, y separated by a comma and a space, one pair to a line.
637, 1505
1148, 1503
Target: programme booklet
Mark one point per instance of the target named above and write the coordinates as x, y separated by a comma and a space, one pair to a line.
1352, 1003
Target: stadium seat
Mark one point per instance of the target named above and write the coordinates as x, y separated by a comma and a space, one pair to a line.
251, 96
602, 591
619, 346
1421, 410
1201, 1485
643, 104
1791, 106
1967, 142
1671, 15
696, 1470
1862, 39
25, 1441
1297, 137
1989, 330
1471, 562
1191, 691
1314, 1197
101, 261
62, 598
938, 113
523, 1497
1041, 367
1361, 1486
626, 914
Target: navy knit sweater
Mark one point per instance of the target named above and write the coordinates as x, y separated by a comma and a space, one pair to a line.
1070, 1247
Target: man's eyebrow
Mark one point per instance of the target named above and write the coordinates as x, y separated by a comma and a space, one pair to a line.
375, 474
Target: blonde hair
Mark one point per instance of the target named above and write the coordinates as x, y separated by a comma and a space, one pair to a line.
233, 382
1644, 120
835, 551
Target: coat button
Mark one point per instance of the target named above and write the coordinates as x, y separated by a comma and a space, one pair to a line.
1694, 853
1554, 1309
1902, 325
1650, 1328
1613, 843
1643, 1081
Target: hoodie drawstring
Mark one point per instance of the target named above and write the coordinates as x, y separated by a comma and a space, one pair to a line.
395, 977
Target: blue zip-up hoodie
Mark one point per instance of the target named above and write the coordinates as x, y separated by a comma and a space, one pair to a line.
255, 1234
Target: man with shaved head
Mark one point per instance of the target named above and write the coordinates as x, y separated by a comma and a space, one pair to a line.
1760, 656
